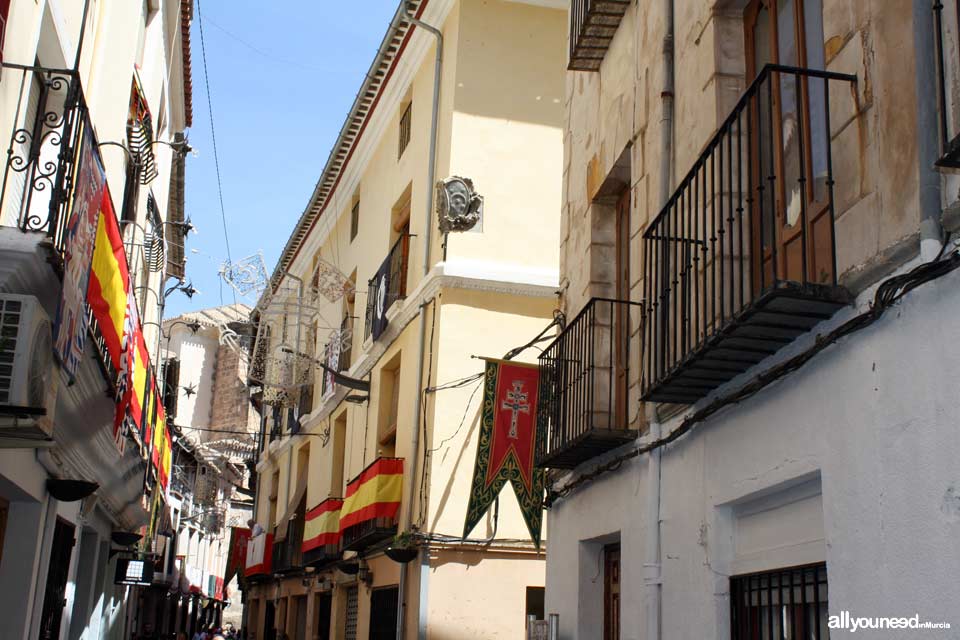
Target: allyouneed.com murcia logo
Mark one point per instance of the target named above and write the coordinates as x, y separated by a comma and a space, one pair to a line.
851, 623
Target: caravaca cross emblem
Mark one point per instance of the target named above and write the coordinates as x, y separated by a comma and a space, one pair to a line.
515, 403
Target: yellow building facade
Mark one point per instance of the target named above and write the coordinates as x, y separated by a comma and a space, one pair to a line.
395, 438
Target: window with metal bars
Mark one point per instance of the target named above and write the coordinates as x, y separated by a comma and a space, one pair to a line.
405, 129
780, 605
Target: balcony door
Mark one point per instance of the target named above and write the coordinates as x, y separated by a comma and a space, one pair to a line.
789, 147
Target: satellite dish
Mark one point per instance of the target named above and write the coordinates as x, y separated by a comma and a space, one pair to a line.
458, 205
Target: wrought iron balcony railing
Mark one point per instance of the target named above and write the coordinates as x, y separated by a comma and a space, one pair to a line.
585, 385
38, 172
592, 26
381, 295
367, 533
742, 259
373, 527
946, 16
287, 553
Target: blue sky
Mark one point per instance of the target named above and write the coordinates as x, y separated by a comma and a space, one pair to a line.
282, 75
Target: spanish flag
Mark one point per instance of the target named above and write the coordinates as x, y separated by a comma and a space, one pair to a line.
109, 280
375, 493
166, 458
143, 386
322, 525
159, 433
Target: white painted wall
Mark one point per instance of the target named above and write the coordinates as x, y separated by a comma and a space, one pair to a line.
198, 361
871, 422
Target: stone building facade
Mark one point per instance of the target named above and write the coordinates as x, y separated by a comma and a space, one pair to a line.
742, 217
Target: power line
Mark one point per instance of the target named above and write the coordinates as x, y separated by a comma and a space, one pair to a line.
216, 156
213, 133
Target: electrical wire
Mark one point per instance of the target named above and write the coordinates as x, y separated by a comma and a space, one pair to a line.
888, 293
216, 158
421, 519
463, 420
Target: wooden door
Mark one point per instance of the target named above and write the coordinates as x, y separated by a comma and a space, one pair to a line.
54, 596
789, 154
611, 592
322, 609
621, 313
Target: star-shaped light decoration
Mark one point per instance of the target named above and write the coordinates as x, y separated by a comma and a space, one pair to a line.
190, 389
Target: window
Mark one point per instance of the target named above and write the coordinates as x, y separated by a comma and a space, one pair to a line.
790, 32
339, 451
171, 385
534, 602
611, 592
389, 407
354, 220
786, 603
405, 129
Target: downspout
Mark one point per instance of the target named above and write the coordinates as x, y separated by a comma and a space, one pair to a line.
931, 230
407, 515
653, 582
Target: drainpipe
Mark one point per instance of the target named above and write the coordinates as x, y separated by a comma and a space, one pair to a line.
407, 515
931, 231
653, 582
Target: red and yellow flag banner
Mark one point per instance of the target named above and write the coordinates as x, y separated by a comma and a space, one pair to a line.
109, 280
505, 449
322, 525
375, 493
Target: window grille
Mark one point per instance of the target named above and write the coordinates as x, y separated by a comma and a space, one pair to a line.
405, 129
785, 603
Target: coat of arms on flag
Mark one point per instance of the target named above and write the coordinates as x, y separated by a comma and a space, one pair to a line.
506, 446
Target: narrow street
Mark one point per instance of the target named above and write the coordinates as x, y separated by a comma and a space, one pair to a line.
479, 319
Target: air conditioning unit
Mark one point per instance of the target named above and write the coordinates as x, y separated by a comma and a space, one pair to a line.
28, 384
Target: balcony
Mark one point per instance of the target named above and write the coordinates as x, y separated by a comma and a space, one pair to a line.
368, 533
369, 512
592, 26
584, 385
39, 174
287, 553
742, 259
387, 286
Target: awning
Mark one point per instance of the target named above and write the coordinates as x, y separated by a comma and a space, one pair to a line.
291, 511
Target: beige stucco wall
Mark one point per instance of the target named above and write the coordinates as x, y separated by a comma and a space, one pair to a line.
499, 124
484, 325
